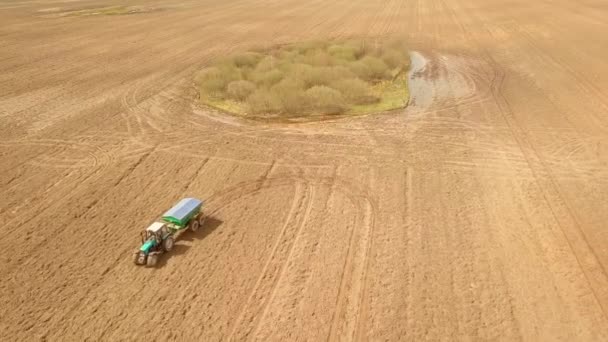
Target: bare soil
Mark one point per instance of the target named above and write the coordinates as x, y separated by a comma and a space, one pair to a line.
479, 212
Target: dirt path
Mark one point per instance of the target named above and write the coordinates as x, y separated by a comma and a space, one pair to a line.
477, 213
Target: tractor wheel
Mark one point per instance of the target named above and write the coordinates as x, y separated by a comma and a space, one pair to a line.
152, 260
168, 244
136, 257
194, 225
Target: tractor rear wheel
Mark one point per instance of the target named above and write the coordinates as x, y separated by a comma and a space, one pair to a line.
152, 260
168, 244
136, 257
194, 225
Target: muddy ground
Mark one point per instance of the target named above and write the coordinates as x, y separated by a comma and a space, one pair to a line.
479, 212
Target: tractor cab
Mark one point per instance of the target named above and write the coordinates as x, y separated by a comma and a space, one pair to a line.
155, 231
155, 240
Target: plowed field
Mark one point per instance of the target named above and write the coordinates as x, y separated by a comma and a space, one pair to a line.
479, 212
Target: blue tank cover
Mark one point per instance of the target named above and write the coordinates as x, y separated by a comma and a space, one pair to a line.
183, 211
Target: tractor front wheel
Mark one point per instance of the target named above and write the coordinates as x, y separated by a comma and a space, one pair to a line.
152, 260
168, 244
136, 258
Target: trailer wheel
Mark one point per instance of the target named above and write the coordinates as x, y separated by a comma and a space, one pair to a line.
168, 244
194, 225
201, 219
152, 260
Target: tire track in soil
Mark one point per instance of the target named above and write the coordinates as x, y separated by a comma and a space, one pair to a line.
196, 281
228, 196
218, 18
551, 193
348, 299
310, 195
137, 118
359, 328
127, 247
42, 211
592, 91
337, 314
263, 183
268, 279
13, 189
544, 179
409, 228
557, 204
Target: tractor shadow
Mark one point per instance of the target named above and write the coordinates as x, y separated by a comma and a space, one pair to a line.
211, 224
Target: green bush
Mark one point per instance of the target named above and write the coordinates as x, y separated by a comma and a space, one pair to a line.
396, 46
213, 81
317, 57
248, 59
266, 79
266, 64
394, 59
399, 44
341, 52
361, 70
377, 68
240, 90
313, 76
325, 100
310, 77
287, 56
298, 71
339, 72
360, 48
318, 76
355, 91
209, 80
290, 93
262, 101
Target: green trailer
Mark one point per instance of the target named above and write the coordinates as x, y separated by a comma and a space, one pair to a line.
160, 236
181, 214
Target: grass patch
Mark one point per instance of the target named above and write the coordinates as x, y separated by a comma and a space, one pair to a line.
351, 77
393, 94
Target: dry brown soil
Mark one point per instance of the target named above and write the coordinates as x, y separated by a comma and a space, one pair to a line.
480, 212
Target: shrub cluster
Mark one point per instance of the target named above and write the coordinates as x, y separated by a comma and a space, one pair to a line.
311, 77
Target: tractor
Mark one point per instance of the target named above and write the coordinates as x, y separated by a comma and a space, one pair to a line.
160, 237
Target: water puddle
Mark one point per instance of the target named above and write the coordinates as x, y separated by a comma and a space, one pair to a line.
441, 79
